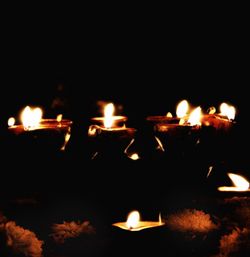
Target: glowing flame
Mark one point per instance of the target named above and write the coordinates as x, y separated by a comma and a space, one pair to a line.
133, 219
108, 115
134, 156
240, 183
134, 223
59, 117
227, 110
169, 115
211, 110
182, 121
11, 121
195, 117
182, 109
31, 117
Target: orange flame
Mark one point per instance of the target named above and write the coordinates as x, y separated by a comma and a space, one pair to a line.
182, 109
240, 183
169, 115
195, 117
11, 121
59, 117
228, 110
31, 117
133, 219
108, 115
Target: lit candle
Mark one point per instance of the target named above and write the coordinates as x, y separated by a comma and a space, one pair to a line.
192, 121
182, 122
181, 115
34, 128
109, 121
134, 223
222, 120
111, 133
177, 134
240, 184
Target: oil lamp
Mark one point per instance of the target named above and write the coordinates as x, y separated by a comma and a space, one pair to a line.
240, 184
134, 223
223, 120
109, 134
36, 133
178, 134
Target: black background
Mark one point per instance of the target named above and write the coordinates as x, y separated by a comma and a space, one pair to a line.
145, 69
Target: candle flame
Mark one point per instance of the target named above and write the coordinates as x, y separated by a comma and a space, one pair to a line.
228, 110
59, 117
195, 117
169, 115
108, 115
182, 121
11, 121
31, 117
239, 182
134, 156
211, 110
134, 223
133, 219
182, 109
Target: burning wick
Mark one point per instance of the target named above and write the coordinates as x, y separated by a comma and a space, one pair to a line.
228, 111
240, 184
36, 127
31, 117
109, 121
182, 117
224, 119
182, 109
133, 222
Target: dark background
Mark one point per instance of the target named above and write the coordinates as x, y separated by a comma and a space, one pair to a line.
145, 69
147, 65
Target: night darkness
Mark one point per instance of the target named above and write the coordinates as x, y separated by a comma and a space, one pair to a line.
143, 74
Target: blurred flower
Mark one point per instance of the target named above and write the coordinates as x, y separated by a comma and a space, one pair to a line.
191, 220
23, 240
234, 243
70, 230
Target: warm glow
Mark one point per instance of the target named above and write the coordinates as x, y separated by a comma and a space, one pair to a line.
134, 156
227, 110
240, 183
133, 219
195, 117
169, 115
134, 223
11, 121
212, 110
131, 154
59, 117
92, 130
182, 122
108, 115
160, 220
182, 109
31, 117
